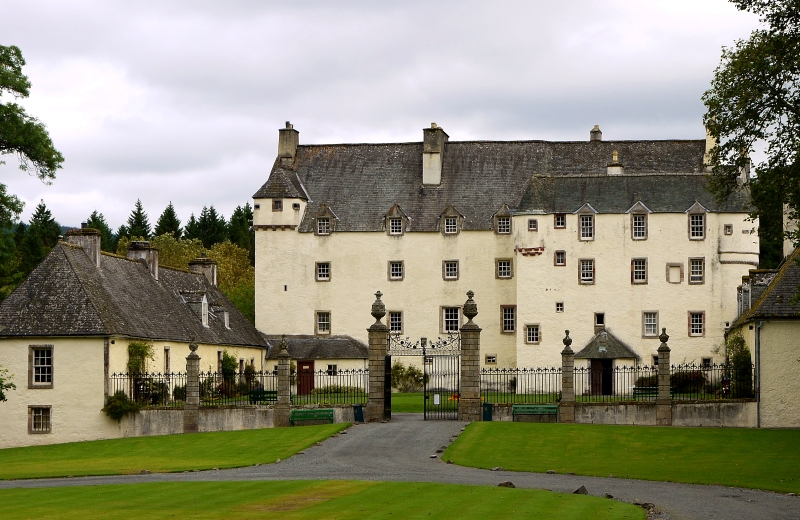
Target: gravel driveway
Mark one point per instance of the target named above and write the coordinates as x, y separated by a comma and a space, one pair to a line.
402, 450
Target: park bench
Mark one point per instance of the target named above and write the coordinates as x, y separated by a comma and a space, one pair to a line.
534, 409
317, 414
260, 396
648, 391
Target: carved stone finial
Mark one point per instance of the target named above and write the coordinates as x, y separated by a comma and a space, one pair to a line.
567, 341
283, 347
664, 337
193, 346
470, 307
378, 308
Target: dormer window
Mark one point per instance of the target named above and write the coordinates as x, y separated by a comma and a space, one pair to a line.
204, 310
277, 205
586, 222
451, 221
450, 225
324, 226
504, 225
325, 220
395, 226
697, 221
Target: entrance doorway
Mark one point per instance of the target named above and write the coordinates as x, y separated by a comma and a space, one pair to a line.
305, 377
601, 373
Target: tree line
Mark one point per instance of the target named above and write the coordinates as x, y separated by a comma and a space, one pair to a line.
229, 242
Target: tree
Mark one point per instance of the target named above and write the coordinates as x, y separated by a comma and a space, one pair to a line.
40, 237
240, 229
211, 227
21, 134
754, 102
138, 223
98, 221
168, 222
5, 383
177, 253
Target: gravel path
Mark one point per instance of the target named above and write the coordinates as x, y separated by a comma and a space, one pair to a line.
402, 449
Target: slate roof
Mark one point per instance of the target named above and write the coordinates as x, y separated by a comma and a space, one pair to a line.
67, 295
318, 347
361, 182
615, 349
776, 300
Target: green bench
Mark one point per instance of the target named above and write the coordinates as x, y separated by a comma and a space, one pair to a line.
534, 409
648, 391
317, 414
260, 396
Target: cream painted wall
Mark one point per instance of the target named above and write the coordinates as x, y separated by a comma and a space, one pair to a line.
76, 397
118, 356
780, 374
287, 294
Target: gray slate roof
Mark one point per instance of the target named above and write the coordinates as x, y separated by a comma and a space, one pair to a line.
615, 348
776, 300
67, 295
318, 347
361, 182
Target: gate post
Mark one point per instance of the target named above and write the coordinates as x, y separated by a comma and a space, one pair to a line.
283, 406
566, 407
469, 401
664, 399
191, 409
378, 346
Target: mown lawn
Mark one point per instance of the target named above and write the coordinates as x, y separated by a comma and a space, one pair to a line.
163, 454
305, 500
740, 457
407, 402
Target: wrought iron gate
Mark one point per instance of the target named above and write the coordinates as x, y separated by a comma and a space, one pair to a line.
441, 363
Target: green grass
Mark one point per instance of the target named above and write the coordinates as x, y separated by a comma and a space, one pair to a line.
305, 500
408, 402
163, 454
750, 458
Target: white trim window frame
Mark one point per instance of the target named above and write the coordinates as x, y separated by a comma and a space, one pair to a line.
697, 323
560, 258
533, 224
40, 419
697, 226
639, 226
508, 319
323, 271
560, 220
533, 334
323, 226
451, 225
504, 268
586, 271
503, 225
451, 319
638, 271
395, 226
40, 366
450, 270
396, 270
649, 324
396, 322
697, 271
322, 323
587, 225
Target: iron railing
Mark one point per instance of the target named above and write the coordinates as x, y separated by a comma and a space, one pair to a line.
725, 381
348, 386
238, 388
151, 389
521, 385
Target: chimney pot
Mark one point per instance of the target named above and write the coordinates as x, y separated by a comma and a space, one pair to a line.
595, 134
83, 225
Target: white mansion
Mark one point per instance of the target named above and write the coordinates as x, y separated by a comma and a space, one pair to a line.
590, 236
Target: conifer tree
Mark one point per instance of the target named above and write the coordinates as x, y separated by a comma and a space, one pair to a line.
98, 221
168, 223
210, 228
138, 223
240, 230
40, 237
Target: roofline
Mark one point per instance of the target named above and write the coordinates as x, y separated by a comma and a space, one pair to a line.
752, 311
480, 141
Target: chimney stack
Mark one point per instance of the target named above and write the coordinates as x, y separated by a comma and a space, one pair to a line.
89, 239
434, 140
205, 266
288, 139
141, 250
595, 134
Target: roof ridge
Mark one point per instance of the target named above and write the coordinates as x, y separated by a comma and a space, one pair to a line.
494, 141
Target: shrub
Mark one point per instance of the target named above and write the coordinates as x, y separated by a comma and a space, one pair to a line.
688, 381
338, 389
138, 354
118, 405
179, 393
741, 366
647, 381
229, 366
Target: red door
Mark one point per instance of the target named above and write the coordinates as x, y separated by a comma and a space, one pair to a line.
305, 377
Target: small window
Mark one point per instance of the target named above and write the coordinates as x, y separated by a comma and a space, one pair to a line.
396, 270
277, 205
655, 361
532, 334
650, 324
39, 419
332, 370
396, 322
639, 271
728, 231
599, 319
559, 306
451, 319
504, 225
324, 226
706, 362
560, 258
296, 206
450, 269
490, 359
560, 220
166, 361
40, 366
697, 270
323, 322
697, 323
587, 227
586, 272
395, 226
697, 226
639, 226
503, 268
256, 206
323, 271
509, 318
533, 224
450, 225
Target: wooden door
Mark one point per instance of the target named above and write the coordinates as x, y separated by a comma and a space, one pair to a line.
305, 377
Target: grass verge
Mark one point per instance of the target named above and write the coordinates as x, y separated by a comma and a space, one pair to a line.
162, 454
750, 458
305, 500
410, 402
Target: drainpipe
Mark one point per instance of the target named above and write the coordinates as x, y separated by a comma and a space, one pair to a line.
758, 374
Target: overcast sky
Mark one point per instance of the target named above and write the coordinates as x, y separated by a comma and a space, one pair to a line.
182, 100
